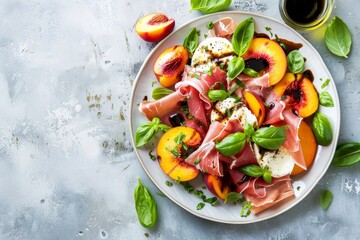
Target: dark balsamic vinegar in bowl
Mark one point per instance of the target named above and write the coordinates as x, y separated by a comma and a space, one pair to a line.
305, 14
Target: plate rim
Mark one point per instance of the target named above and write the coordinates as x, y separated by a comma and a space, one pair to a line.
321, 61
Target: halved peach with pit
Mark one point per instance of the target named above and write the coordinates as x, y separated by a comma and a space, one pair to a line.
256, 106
304, 98
171, 150
216, 186
308, 146
154, 27
272, 53
170, 65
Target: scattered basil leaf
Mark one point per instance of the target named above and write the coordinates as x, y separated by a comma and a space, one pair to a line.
234, 197
252, 170
235, 67
199, 193
191, 41
200, 206
147, 130
145, 206
327, 81
250, 72
347, 154
231, 144
161, 92
326, 99
187, 186
338, 37
160, 194
269, 137
295, 61
322, 129
209, 6
246, 209
210, 25
326, 198
212, 200
243, 36
152, 156
217, 95
198, 160
168, 183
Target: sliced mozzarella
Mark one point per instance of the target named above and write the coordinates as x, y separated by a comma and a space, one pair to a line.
244, 115
215, 115
280, 162
225, 105
212, 52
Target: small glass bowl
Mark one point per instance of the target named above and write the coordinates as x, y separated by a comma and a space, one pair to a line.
329, 5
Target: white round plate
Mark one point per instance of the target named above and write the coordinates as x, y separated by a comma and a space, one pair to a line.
227, 213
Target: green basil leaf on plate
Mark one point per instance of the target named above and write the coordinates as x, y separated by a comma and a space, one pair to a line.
231, 144
338, 37
252, 170
347, 154
295, 61
270, 138
217, 95
145, 206
326, 99
234, 197
209, 6
243, 36
161, 92
191, 41
322, 129
235, 67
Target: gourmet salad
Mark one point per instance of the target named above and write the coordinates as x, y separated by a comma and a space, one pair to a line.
238, 108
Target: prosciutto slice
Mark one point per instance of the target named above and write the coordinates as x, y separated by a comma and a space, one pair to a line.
223, 27
275, 114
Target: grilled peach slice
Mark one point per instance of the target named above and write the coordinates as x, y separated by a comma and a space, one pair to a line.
154, 27
171, 149
281, 86
256, 106
272, 53
170, 64
308, 145
216, 186
304, 98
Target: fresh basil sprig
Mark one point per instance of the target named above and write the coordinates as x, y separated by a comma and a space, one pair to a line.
347, 154
161, 92
145, 206
209, 6
191, 41
217, 95
295, 61
326, 99
235, 67
338, 37
243, 35
146, 131
326, 198
322, 129
256, 171
270, 138
231, 144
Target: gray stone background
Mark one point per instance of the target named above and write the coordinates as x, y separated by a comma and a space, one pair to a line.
67, 167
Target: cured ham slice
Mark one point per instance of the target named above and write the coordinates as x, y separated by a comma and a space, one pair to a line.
223, 27
163, 107
262, 81
275, 114
245, 157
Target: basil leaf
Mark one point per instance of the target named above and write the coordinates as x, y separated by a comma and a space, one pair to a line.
326, 199
210, 25
243, 36
200, 206
267, 177
147, 130
295, 61
217, 95
252, 170
246, 209
269, 137
326, 99
234, 197
191, 41
248, 130
347, 154
322, 129
250, 72
231, 144
161, 92
235, 67
145, 206
209, 6
338, 38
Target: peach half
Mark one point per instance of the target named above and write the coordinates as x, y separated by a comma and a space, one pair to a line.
308, 146
154, 27
256, 106
170, 65
272, 53
304, 98
170, 151
216, 186
281, 86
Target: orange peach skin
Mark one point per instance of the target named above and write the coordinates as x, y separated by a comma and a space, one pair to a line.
308, 145
256, 106
272, 52
173, 166
170, 65
154, 27
215, 186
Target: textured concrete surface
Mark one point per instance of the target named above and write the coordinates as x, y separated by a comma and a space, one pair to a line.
67, 167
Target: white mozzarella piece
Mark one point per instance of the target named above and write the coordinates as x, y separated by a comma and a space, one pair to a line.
215, 115
212, 52
280, 162
245, 116
226, 104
